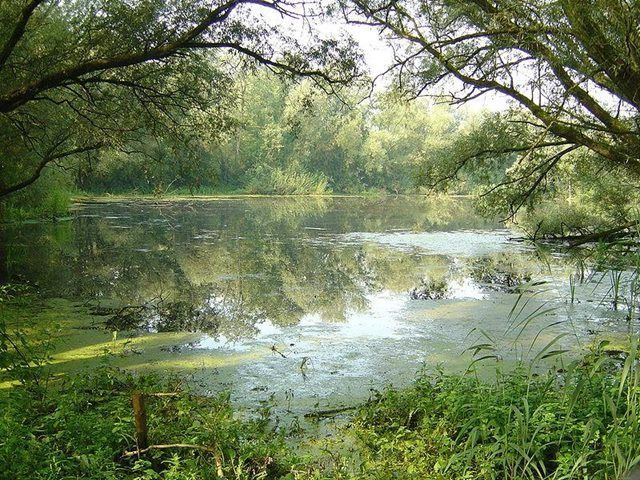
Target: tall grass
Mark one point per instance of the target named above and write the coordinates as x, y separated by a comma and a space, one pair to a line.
576, 418
549, 417
580, 423
269, 180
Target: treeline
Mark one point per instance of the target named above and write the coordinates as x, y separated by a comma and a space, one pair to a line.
285, 138
272, 135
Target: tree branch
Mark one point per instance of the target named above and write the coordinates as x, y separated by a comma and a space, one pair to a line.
48, 158
18, 30
20, 96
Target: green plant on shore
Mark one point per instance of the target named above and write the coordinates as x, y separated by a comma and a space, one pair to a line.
83, 428
581, 423
47, 199
263, 179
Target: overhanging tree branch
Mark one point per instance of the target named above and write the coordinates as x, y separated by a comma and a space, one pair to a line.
260, 58
133, 69
46, 160
619, 144
23, 94
18, 30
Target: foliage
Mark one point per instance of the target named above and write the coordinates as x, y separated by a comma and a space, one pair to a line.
577, 424
267, 180
49, 198
492, 158
290, 138
80, 76
82, 427
569, 67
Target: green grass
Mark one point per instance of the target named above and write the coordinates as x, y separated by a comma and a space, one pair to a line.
81, 427
47, 198
578, 422
50, 205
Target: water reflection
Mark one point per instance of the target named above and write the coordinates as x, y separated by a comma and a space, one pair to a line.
327, 296
226, 266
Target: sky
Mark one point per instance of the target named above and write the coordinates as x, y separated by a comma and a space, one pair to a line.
377, 53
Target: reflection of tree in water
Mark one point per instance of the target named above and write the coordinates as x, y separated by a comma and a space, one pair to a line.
226, 266
203, 308
503, 272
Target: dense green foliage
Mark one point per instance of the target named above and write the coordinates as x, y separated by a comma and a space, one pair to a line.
290, 138
82, 76
577, 195
81, 428
46, 199
579, 424
113, 99
571, 65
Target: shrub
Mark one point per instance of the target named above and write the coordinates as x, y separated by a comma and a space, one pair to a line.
264, 179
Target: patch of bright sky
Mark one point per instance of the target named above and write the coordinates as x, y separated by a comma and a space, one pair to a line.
376, 50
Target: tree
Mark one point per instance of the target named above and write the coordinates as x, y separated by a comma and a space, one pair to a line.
82, 75
573, 65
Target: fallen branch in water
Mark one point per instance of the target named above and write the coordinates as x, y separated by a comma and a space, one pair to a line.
592, 237
610, 234
328, 413
274, 349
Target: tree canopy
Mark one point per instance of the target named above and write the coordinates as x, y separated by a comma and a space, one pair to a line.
151, 94
78, 76
572, 65
286, 137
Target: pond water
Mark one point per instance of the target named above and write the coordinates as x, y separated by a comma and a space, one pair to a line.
309, 302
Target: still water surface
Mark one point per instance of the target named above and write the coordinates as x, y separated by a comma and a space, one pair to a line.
306, 301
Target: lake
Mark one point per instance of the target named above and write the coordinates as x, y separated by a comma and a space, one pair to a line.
306, 302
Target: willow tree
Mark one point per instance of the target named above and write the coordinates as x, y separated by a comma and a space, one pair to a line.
77, 76
572, 65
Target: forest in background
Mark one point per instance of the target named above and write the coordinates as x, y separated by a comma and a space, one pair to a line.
286, 137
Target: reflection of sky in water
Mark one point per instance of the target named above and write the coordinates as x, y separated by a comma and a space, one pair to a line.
457, 243
326, 281
386, 344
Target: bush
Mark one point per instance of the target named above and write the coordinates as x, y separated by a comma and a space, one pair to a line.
264, 179
48, 197
574, 424
82, 427
577, 424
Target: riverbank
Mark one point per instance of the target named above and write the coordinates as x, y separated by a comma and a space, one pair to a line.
578, 422
61, 206
265, 309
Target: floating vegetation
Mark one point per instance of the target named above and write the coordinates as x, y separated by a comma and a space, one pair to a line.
430, 289
504, 272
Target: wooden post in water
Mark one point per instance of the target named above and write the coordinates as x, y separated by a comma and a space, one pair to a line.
137, 399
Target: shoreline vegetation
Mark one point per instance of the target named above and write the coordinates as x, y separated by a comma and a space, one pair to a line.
576, 419
156, 100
